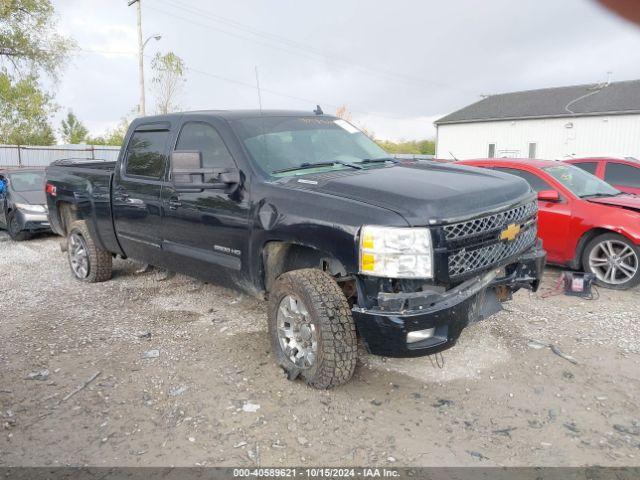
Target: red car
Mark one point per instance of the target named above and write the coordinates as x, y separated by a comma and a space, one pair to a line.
622, 173
584, 222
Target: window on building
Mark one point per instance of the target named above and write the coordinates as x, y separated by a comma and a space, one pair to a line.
535, 181
146, 154
622, 174
205, 139
492, 151
589, 167
532, 149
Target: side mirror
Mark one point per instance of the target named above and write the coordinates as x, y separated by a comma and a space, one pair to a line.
187, 173
549, 196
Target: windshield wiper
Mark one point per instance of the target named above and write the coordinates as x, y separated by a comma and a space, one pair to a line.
306, 165
598, 195
378, 160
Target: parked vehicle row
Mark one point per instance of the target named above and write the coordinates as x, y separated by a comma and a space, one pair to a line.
344, 241
308, 211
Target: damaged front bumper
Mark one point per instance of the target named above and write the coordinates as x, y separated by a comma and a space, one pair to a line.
438, 318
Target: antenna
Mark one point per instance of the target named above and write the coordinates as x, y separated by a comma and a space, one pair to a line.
258, 86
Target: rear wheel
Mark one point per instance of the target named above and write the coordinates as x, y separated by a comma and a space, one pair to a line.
312, 332
614, 260
14, 229
88, 262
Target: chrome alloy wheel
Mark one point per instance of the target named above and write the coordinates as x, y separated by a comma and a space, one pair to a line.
296, 332
78, 255
613, 262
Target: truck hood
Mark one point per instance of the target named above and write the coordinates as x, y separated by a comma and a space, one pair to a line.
630, 202
425, 193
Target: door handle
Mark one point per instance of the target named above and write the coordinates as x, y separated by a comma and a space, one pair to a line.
174, 204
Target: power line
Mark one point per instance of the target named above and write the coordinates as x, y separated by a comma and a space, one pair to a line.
252, 86
302, 49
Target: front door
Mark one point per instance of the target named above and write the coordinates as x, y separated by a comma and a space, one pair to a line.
206, 230
137, 193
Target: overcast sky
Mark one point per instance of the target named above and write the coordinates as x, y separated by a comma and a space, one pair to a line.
397, 64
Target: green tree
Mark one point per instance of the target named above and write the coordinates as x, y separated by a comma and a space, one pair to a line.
29, 41
418, 147
73, 131
29, 47
168, 81
24, 112
111, 137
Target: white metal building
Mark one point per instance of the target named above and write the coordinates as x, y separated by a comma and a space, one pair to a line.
551, 123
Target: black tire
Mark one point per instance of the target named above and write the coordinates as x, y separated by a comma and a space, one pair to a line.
620, 244
99, 261
14, 230
330, 315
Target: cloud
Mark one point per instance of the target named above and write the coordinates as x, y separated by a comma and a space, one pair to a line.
396, 65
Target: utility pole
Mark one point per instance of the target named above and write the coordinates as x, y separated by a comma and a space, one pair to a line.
141, 106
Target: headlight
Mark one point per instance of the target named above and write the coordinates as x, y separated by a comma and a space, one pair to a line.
396, 252
26, 207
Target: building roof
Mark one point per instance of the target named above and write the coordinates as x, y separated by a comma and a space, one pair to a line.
579, 100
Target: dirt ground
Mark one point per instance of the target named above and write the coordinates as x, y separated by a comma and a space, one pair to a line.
213, 395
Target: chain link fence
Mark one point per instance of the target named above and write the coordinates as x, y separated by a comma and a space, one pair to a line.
40, 156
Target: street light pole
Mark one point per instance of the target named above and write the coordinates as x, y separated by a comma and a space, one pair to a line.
141, 105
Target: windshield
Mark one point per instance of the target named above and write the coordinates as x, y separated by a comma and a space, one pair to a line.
27, 181
581, 183
294, 145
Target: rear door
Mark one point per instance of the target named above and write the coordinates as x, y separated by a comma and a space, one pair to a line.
206, 230
554, 218
623, 176
137, 192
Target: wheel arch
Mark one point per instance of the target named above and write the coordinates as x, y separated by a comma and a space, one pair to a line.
586, 237
279, 257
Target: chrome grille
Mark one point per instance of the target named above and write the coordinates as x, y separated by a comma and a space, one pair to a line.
469, 260
495, 221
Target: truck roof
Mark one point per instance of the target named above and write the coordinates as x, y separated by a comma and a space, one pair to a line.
237, 114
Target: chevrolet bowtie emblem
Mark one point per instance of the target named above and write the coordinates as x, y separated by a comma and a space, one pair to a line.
510, 233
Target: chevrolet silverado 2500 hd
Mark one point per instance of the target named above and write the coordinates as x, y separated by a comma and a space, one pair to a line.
308, 211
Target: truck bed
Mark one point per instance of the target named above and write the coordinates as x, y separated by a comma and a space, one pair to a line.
85, 163
85, 185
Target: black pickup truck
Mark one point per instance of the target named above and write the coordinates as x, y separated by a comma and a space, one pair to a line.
305, 210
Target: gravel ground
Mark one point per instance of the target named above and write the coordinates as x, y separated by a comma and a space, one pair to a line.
185, 377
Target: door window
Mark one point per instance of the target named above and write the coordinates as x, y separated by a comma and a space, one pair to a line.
622, 174
204, 138
535, 181
146, 155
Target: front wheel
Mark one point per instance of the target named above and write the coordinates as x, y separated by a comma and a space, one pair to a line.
312, 332
614, 260
88, 262
14, 229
